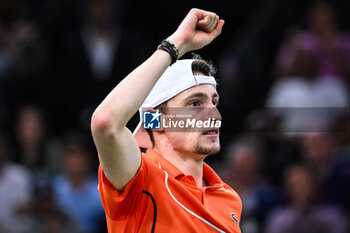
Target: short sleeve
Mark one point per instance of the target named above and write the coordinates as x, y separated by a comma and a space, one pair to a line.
120, 204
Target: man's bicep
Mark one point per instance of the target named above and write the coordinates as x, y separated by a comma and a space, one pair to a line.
119, 156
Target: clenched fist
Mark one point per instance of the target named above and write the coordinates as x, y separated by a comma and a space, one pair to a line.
197, 30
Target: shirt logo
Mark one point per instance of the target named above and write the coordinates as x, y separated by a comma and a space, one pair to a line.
234, 218
151, 120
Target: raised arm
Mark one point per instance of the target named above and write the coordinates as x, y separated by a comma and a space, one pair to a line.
118, 151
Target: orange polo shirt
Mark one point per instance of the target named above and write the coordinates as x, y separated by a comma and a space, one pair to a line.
160, 198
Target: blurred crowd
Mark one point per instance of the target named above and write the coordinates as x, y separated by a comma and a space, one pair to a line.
285, 138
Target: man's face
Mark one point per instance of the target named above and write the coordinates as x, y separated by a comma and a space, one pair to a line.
201, 102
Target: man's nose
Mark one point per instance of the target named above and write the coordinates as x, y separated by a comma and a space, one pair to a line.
213, 112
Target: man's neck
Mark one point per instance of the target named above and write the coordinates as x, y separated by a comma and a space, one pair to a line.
189, 165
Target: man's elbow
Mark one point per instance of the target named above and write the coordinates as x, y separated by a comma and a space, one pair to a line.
102, 122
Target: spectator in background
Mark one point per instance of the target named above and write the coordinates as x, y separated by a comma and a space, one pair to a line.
24, 52
244, 175
100, 37
302, 213
303, 100
318, 154
323, 39
35, 149
15, 193
30, 130
76, 189
320, 157
46, 216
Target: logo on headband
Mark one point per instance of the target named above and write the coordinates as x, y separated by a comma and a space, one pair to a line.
152, 120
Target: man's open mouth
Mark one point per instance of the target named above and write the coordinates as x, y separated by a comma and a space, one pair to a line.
211, 132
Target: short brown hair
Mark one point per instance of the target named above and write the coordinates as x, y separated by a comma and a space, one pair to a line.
200, 65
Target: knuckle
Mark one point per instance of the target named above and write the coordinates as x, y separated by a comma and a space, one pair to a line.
193, 10
212, 14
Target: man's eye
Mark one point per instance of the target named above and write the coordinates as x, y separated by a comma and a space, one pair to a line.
194, 103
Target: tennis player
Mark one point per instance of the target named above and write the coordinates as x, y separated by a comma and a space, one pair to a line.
168, 188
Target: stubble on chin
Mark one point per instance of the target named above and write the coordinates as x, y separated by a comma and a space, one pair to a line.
204, 150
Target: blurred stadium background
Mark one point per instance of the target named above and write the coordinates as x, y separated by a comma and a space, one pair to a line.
284, 75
